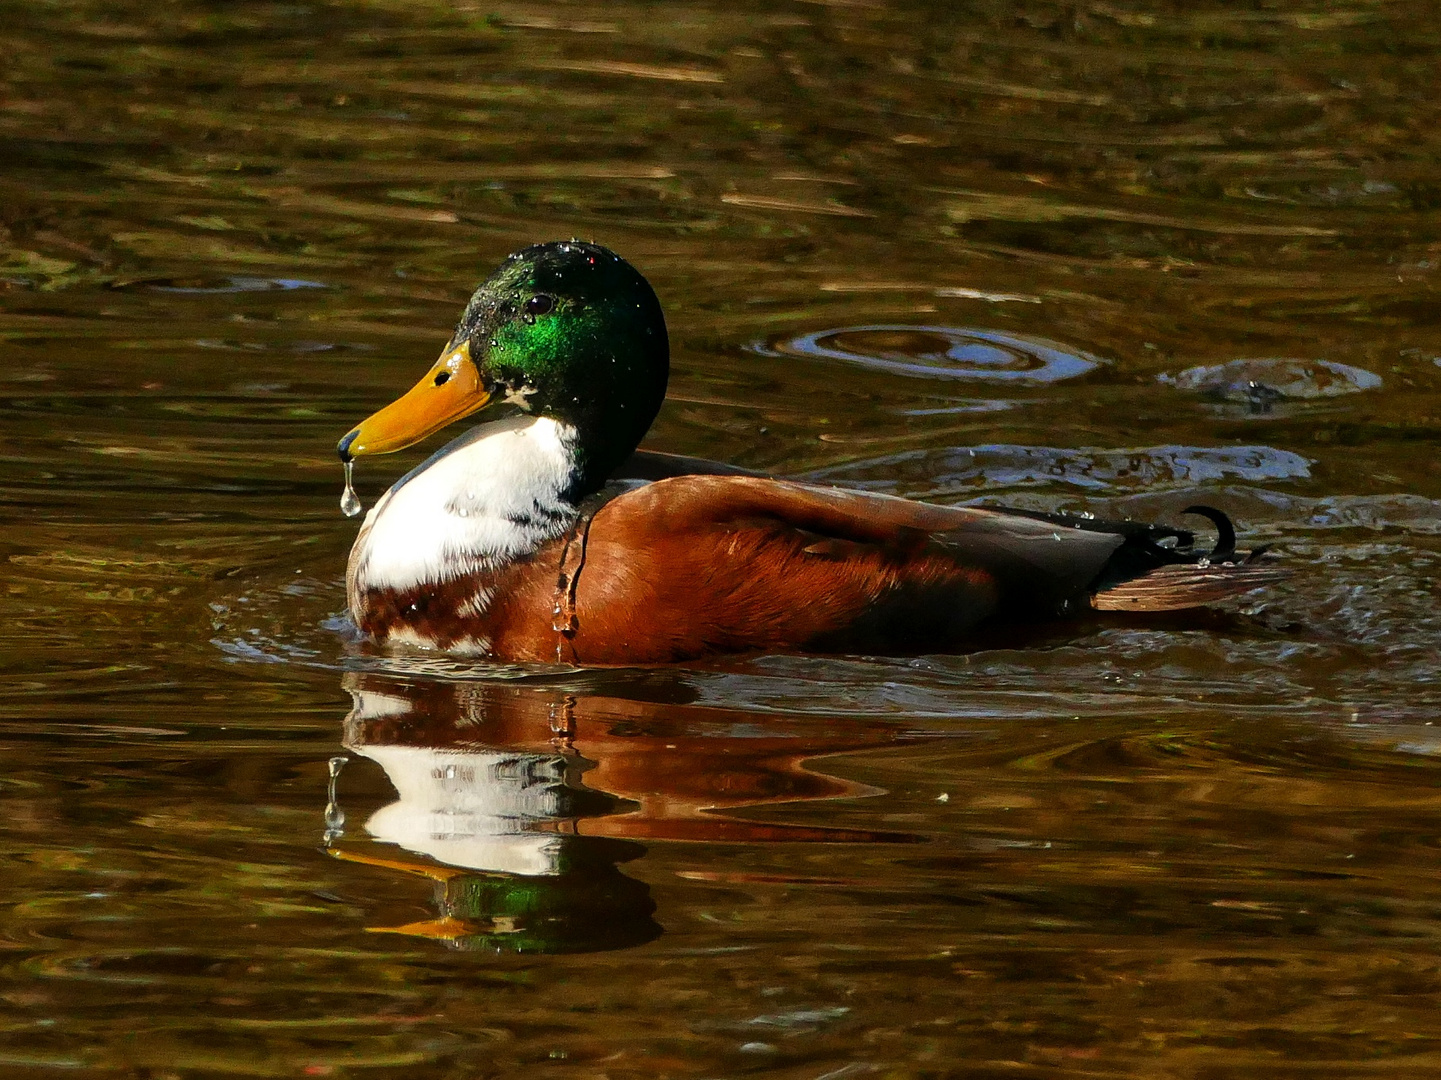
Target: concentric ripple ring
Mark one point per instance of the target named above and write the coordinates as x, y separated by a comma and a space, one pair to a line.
945, 352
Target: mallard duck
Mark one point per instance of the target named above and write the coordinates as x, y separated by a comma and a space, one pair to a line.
545, 535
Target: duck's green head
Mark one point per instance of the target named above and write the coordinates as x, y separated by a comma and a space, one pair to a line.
568, 330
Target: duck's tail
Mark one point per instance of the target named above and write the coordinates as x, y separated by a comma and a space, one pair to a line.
1158, 568
1186, 579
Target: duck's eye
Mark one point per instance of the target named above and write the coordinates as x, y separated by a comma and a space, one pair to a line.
539, 304
442, 377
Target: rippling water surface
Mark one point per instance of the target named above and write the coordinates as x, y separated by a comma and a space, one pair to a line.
1116, 257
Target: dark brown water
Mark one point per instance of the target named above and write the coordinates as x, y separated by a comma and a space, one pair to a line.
1117, 257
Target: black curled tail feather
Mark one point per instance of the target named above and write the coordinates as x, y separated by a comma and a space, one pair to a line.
1225, 547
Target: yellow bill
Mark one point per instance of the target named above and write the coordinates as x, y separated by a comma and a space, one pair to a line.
452, 389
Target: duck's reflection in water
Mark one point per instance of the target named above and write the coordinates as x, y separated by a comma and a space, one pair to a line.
521, 801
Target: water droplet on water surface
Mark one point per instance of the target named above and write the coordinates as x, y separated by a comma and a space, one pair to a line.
349, 500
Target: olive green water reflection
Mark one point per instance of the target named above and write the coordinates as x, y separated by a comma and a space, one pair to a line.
1111, 257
